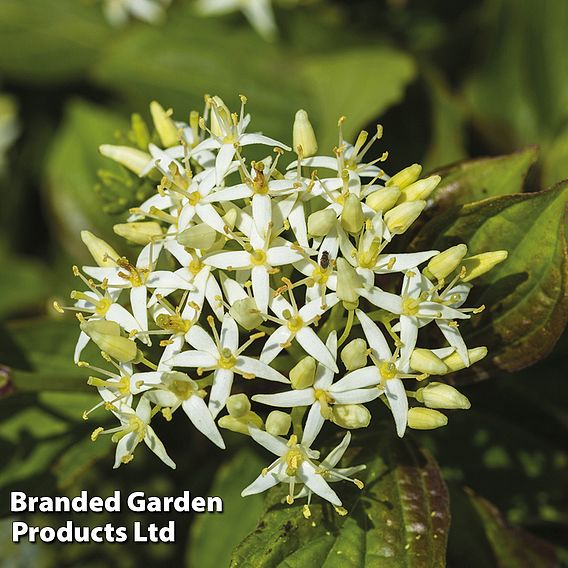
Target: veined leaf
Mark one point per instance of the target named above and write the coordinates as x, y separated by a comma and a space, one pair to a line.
526, 297
478, 179
400, 518
213, 537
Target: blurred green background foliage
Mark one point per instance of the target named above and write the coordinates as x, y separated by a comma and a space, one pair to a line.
449, 82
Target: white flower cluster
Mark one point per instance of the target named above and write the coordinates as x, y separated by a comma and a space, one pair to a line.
253, 271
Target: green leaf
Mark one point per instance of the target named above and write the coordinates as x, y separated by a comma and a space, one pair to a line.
50, 40
381, 74
277, 79
72, 168
213, 537
487, 540
526, 297
478, 179
555, 161
400, 518
520, 91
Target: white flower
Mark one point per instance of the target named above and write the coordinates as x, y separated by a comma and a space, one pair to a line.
321, 395
294, 465
135, 428
223, 356
295, 324
117, 12
174, 390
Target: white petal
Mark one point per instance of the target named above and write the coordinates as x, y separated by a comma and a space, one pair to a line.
125, 446
194, 359
356, 396
279, 304
358, 379
155, 444
229, 259
261, 287
332, 459
230, 194
402, 261
273, 345
82, 342
247, 139
262, 483
220, 391
324, 376
381, 299
408, 337
170, 350
262, 213
281, 255
317, 483
288, 399
150, 380
209, 215
223, 161
138, 300
315, 347
197, 337
167, 279
454, 338
314, 308
273, 444
230, 334
314, 424
257, 368
374, 336
199, 414
396, 396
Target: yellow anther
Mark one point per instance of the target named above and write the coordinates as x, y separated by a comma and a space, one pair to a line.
96, 433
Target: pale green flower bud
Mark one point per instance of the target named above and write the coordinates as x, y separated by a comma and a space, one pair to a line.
354, 354
120, 348
444, 263
383, 199
420, 190
401, 217
139, 232
132, 158
454, 362
101, 326
230, 217
425, 418
240, 425
278, 423
348, 282
221, 114
352, 217
100, 250
245, 312
238, 405
406, 176
320, 223
200, 236
481, 263
165, 126
303, 373
303, 135
424, 361
350, 416
440, 395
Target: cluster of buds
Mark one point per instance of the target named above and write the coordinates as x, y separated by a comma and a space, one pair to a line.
252, 272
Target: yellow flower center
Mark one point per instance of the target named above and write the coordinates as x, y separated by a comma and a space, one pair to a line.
227, 360
102, 306
410, 306
258, 257
295, 324
388, 370
195, 267
173, 323
194, 198
182, 389
293, 459
320, 275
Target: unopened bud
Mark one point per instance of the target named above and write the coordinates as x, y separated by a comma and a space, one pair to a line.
230, 217
420, 190
246, 313
424, 361
401, 217
165, 126
481, 263
139, 232
302, 375
200, 236
425, 418
350, 416
238, 405
132, 158
120, 348
348, 282
447, 261
455, 363
241, 425
440, 395
352, 217
303, 135
100, 250
354, 354
278, 423
219, 114
406, 176
321, 222
101, 326
383, 199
